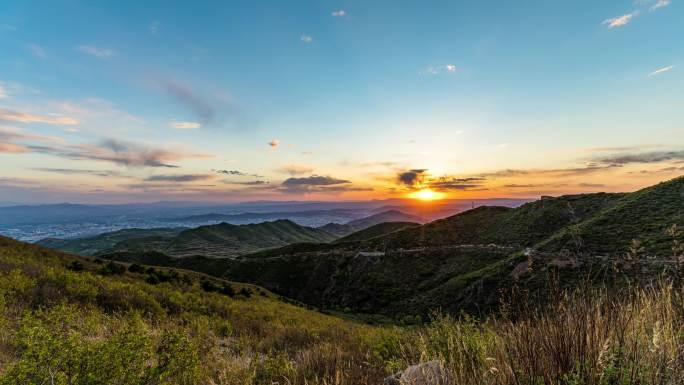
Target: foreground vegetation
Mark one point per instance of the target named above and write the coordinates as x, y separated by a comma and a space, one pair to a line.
67, 320
70, 320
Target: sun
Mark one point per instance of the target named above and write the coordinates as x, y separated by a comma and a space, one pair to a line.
427, 195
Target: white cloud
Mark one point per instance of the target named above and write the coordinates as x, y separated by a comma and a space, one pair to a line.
429, 71
185, 125
12, 148
340, 13
26, 117
274, 143
661, 70
620, 21
154, 27
660, 4
434, 70
37, 51
3, 92
100, 53
306, 39
295, 169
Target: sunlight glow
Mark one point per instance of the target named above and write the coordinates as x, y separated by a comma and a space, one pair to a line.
427, 195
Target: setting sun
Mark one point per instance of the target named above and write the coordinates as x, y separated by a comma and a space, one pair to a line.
427, 195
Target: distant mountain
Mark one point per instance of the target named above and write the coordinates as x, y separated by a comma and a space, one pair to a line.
224, 240
466, 261
520, 227
311, 218
53, 213
106, 241
229, 240
342, 230
376, 231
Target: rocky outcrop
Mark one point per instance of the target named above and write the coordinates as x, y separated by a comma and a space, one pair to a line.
428, 373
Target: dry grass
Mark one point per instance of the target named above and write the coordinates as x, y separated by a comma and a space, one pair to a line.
585, 337
85, 328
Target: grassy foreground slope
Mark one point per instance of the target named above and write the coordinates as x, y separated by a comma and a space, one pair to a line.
71, 320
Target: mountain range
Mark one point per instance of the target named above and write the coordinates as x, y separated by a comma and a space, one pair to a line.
224, 240
465, 261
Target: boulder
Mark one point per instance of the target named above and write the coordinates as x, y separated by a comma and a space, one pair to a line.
428, 373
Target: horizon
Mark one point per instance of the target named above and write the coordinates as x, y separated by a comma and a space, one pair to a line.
341, 101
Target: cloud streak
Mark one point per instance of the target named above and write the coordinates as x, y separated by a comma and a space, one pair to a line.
621, 20
179, 178
643, 157
115, 151
11, 148
295, 169
661, 70
100, 53
314, 180
236, 173
25, 117
185, 125
185, 95
70, 171
660, 4
317, 184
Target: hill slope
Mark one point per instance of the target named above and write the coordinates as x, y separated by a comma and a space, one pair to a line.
220, 241
342, 230
645, 215
376, 231
72, 320
105, 241
464, 262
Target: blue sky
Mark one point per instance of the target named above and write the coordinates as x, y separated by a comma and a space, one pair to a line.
138, 101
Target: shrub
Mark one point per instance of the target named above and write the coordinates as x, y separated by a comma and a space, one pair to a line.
75, 266
113, 268
136, 268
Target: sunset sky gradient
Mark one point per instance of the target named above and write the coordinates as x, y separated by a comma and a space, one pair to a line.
112, 102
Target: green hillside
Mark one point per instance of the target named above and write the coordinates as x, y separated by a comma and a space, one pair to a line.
464, 262
522, 226
72, 320
96, 244
218, 241
645, 215
376, 231
226, 240
348, 228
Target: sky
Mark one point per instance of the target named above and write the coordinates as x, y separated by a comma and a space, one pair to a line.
226, 101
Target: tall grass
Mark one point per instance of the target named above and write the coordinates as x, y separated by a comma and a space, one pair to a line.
588, 336
60, 326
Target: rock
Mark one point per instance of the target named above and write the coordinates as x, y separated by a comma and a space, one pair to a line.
393, 379
428, 373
